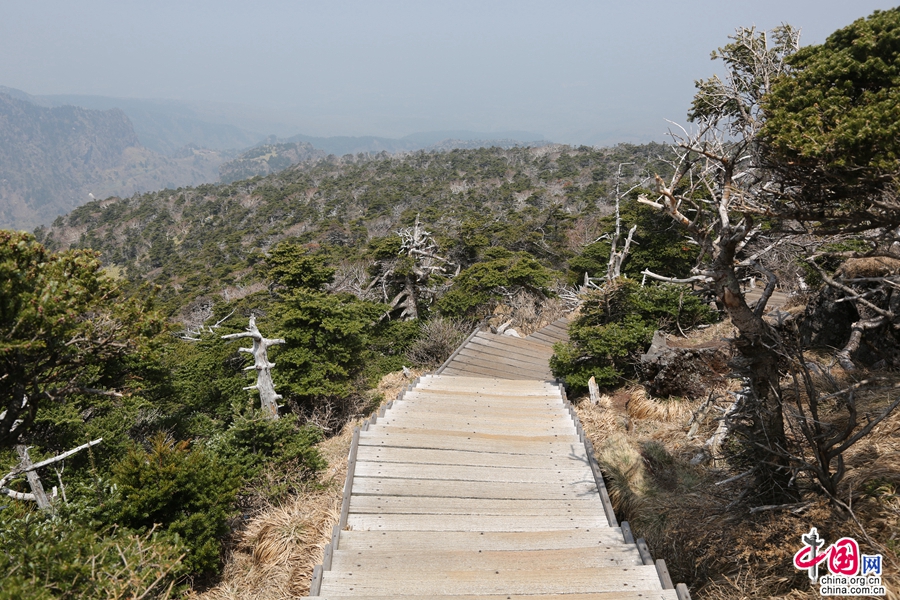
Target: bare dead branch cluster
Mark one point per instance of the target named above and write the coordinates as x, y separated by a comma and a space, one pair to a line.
412, 272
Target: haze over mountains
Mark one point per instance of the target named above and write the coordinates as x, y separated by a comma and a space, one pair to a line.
56, 151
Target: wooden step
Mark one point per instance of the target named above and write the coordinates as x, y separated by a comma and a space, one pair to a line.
453, 456
468, 473
396, 522
589, 505
400, 562
373, 486
537, 581
473, 541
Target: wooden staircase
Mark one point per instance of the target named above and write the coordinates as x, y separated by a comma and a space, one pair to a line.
482, 487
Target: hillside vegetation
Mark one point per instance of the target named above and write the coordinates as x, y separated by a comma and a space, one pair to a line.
203, 242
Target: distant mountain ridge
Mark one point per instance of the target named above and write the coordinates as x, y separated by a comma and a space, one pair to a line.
426, 140
58, 151
52, 159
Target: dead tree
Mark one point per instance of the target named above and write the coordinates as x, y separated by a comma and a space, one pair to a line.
718, 186
412, 271
29, 469
616, 258
267, 396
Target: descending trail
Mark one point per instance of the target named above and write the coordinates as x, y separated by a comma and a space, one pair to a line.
483, 487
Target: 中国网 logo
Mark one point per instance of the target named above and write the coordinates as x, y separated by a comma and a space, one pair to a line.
849, 572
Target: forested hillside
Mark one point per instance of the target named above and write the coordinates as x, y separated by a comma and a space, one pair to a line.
198, 242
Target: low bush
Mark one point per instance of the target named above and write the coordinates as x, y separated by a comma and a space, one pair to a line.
616, 324
188, 492
437, 340
44, 557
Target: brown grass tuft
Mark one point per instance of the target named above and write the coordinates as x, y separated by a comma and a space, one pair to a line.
273, 554
642, 405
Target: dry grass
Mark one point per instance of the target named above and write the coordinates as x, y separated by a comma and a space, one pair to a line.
705, 532
273, 554
643, 406
528, 312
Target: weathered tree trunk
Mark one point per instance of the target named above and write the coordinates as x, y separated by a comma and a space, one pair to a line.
30, 470
762, 408
34, 482
264, 385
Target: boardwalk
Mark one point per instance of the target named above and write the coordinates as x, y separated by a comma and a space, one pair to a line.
486, 354
483, 487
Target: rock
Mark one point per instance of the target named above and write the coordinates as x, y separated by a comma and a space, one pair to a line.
826, 322
676, 370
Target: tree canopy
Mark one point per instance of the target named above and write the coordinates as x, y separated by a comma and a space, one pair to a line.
832, 127
64, 329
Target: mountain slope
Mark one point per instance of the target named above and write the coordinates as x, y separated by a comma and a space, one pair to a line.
51, 159
204, 241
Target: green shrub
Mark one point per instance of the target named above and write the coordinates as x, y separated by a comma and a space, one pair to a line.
66, 557
254, 439
480, 288
618, 322
188, 492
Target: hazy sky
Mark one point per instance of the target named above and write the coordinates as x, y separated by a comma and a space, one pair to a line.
571, 70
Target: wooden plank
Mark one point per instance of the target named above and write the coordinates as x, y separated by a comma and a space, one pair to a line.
626, 531
511, 414
537, 581
458, 473
663, 572
415, 541
537, 403
483, 425
394, 522
618, 595
327, 557
539, 421
645, 551
436, 409
598, 477
445, 380
472, 506
466, 389
409, 563
348, 482
464, 457
316, 584
388, 431
521, 393
374, 486
475, 443
534, 411
682, 592
478, 399
465, 431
